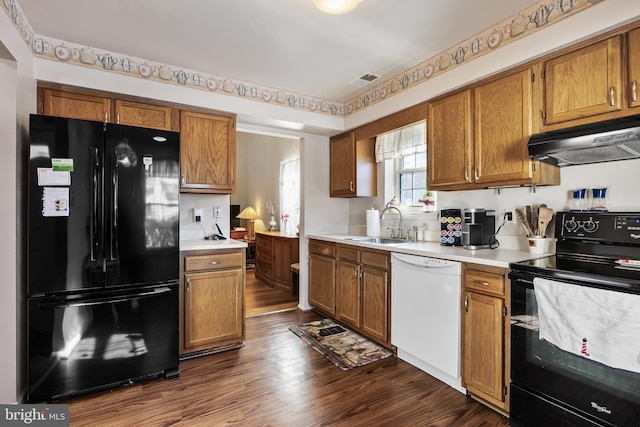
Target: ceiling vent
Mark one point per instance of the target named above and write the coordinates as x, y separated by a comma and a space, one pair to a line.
364, 80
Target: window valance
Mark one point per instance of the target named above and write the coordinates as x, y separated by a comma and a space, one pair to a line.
403, 141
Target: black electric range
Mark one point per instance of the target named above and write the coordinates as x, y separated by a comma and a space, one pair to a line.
591, 249
555, 386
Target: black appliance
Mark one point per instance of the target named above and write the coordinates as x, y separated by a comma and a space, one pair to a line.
570, 387
103, 254
451, 227
234, 211
606, 141
478, 228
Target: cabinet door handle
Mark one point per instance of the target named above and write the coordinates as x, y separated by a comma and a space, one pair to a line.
634, 93
184, 180
118, 118
475, 172
188, 282
466, 173
481, 282
106, 117
351, 186
612, 94
466, 302
355, 272
214, 262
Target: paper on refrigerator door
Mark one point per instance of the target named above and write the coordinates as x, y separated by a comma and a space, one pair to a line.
55, 201
47, 176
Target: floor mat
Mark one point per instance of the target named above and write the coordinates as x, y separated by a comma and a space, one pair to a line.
343, 347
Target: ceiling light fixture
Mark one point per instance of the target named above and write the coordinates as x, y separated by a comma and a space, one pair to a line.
336, 7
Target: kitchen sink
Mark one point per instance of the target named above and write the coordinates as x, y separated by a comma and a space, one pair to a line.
377, 240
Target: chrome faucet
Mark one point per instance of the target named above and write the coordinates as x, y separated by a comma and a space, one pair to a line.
387, 208
414, 231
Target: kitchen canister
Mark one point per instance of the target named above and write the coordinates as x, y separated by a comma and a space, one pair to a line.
579, 200
537, 244
373, 222
599, 199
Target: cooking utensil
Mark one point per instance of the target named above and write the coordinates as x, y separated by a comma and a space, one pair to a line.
527, 214
545, 215
534, 218
525, 222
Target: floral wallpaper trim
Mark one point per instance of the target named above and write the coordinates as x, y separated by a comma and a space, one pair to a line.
526, 22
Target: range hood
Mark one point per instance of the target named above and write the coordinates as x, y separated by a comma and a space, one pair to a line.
611, 140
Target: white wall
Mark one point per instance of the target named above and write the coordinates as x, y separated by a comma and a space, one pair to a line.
619, 177
258, 170
17, 86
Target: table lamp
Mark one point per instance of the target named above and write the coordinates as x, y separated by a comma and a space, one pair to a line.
250, 214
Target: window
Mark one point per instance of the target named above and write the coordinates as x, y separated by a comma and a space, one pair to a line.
289, 195
412, 178
403, 152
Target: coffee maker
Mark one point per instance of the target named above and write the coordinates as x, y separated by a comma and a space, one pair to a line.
478, 227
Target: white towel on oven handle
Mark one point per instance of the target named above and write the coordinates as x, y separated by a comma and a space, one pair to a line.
598, 324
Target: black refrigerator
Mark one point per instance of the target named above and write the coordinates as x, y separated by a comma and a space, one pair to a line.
102, 256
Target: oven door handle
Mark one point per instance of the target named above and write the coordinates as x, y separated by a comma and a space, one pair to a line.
576, 280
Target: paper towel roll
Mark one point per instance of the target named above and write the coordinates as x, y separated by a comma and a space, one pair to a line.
373, 223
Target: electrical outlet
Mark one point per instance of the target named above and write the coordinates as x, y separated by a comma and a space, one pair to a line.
197, 214
217, 212
508, 216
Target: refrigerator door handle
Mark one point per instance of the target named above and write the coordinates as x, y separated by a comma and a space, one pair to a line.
114, 211
110, 300
94, 204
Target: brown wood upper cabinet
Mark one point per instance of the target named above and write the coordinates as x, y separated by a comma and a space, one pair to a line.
143, 115
353, 166
74, 105
478, 137
87, 106
583, 83
207, 153
450, 141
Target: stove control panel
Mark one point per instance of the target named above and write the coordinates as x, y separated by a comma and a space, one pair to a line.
614, 227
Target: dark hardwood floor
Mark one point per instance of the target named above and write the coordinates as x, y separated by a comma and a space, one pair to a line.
260, 298
278, 380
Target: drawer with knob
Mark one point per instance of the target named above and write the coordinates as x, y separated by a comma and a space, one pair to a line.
212, 262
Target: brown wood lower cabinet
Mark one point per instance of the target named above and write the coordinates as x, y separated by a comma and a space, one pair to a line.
353, 287
322, 276
486, 335
275, 253
211, 300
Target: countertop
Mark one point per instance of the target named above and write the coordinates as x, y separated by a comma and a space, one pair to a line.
494, 257
202, 244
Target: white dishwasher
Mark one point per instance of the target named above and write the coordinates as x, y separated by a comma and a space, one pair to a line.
425, 315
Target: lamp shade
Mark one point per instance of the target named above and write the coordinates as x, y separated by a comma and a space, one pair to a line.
336, 6
248, 213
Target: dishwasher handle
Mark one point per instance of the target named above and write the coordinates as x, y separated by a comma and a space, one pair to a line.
424, 262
